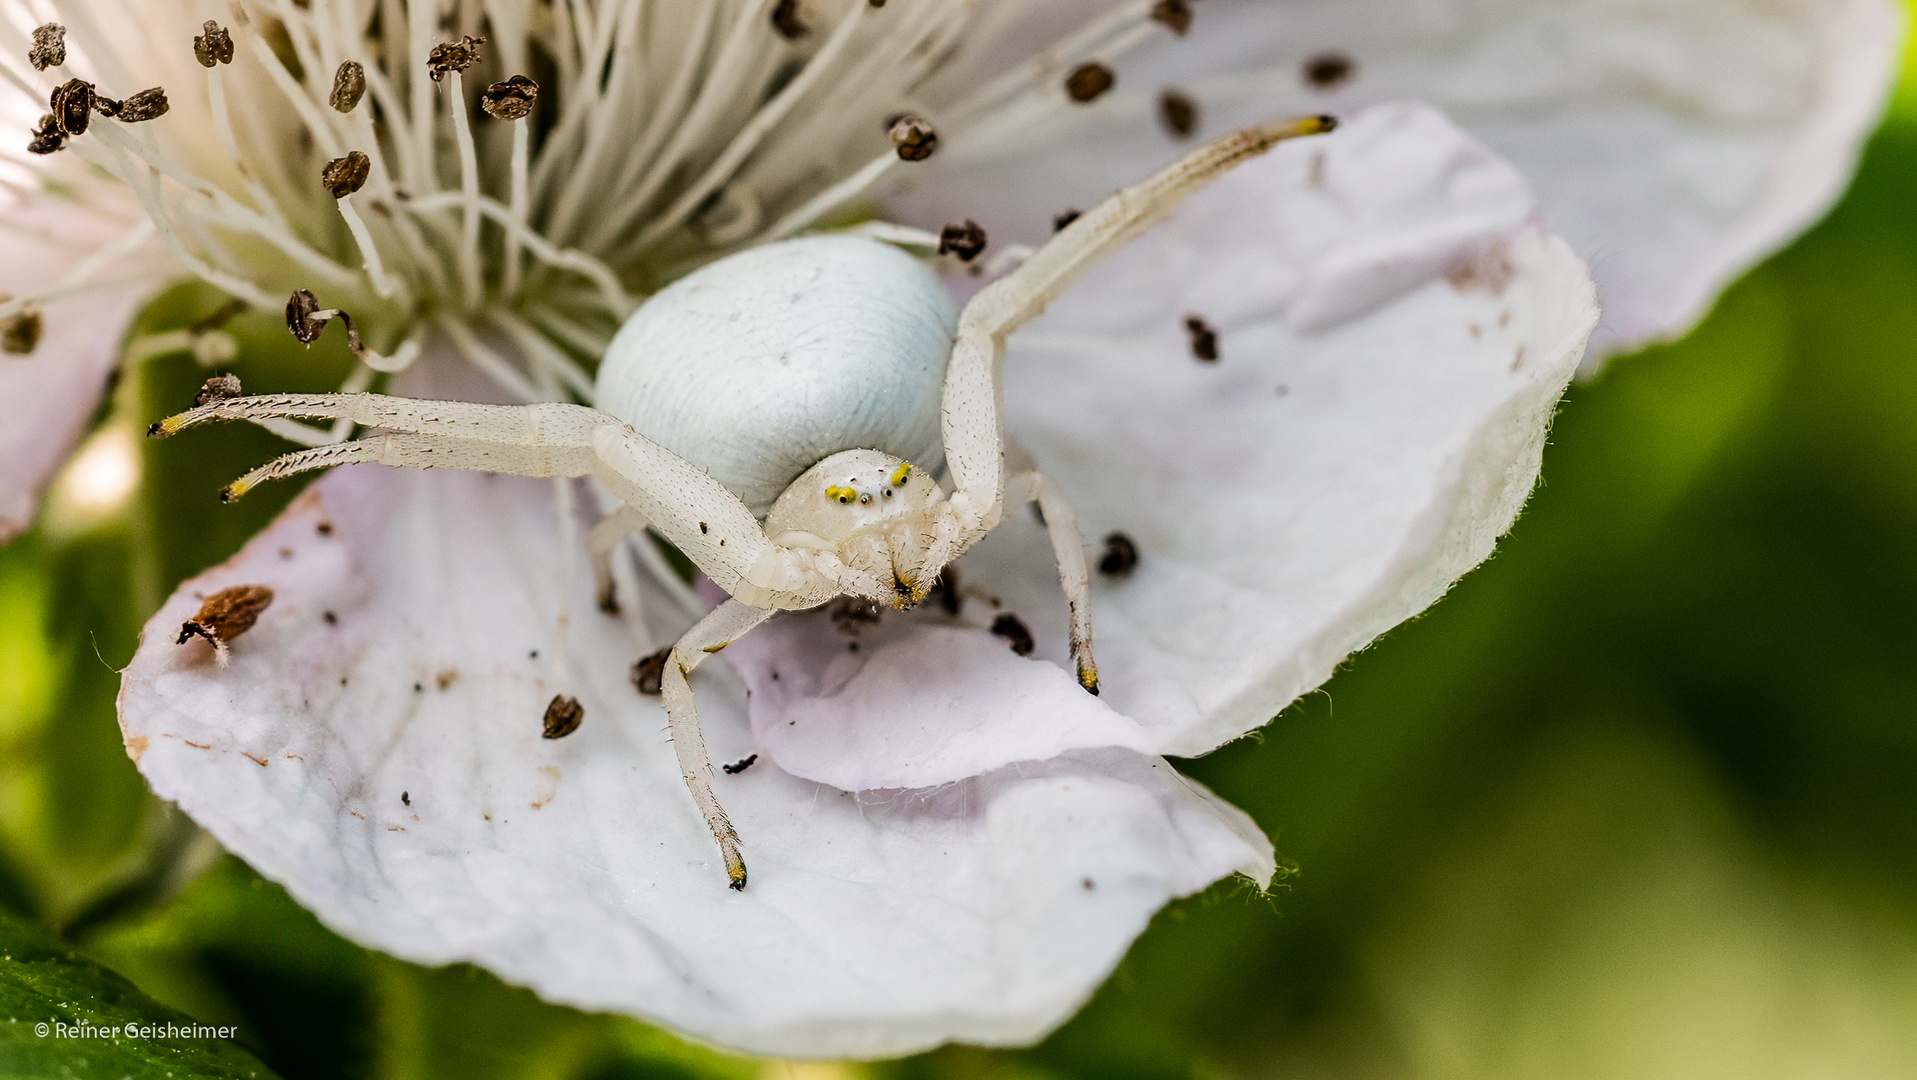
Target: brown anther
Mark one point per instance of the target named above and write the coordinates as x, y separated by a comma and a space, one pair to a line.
913, 137
72, 104
300, 308
745, 762
785, 19
511, 99
349, 85
649, 672
47, 138
1327, 70
1174, 14
144, 105
452, 56
1089, 81
1178, 111
217, 388
562, 717
1016, 634
852, 614
49, 47
345, 175
227, 614
966, 241
20, 332
1204, 340
1062, 219
215, 46
1119, 557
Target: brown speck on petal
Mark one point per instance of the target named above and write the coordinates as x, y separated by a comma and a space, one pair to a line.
913, 137
562, 718
226, 615
649, 672
47, 138
1204, 340
1173, 14
72, 104
217, 388
1089, 81
214, 46
852, 614
1014, 631
144, 105
20, 333
966, 241
511, 99
349, 85
345, 175
406, 798
49, 47
745, 763
1329, 70
1178, 111
450, 56
785, 19
1120, 555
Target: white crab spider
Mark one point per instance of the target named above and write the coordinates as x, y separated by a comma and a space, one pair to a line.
708, 367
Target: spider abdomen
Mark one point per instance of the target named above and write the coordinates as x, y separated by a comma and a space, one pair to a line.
764, 363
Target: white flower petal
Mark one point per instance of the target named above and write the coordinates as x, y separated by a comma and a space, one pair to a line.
374, 745
1313, 487
1672, 143
911, 703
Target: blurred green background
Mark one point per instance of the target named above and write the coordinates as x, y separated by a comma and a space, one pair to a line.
1638, 799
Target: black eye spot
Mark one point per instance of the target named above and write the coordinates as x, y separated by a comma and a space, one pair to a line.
888, 493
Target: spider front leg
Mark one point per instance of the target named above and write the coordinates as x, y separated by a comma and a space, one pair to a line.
1068, 548
721, 627
600, 543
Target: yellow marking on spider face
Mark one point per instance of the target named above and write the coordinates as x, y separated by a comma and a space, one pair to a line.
841, 493
900, 474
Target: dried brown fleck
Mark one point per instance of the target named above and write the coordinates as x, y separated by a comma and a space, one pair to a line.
217, 388
1329, 70
49, 47
1062, 219
649, 672
446, 678
511, 99
1089, 81
349, 85
214, 46
453, 56
1174, 14
1014, 631
145, 105
1178, 111
1204, 340
227, 614
913, 137
562, 717
966, 241
20, 332
47, 137
1120, 555
300, 309
406, 798
1491, 270
852, 614
345, 175
785, 19
745, 762
72, 104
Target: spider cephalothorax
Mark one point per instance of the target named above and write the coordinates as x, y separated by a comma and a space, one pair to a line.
715, 410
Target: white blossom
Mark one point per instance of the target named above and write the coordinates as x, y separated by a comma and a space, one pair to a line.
948, 840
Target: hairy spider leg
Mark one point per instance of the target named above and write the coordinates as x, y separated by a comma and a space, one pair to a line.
721, 627
1068, 549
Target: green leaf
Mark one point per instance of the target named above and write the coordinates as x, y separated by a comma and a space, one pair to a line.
62, 1015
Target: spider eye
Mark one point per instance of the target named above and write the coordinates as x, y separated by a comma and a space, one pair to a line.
901, 474
888, 493
840, 493
864, 500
